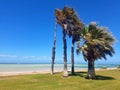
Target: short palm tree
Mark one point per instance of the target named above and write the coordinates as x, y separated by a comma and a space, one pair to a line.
97, 44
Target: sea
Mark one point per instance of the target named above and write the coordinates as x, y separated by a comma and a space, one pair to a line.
47, 67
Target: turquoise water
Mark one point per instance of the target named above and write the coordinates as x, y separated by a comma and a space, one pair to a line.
45, 67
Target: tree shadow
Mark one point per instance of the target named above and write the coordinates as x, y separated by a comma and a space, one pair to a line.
98, 77
80, 74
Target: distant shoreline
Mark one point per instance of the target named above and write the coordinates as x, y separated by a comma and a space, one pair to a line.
63, 63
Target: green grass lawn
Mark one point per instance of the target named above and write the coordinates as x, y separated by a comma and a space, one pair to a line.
106, 80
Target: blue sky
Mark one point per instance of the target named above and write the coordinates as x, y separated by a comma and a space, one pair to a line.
27, 27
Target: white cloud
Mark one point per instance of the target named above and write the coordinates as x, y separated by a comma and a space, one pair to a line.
36, 57
31, 57
27, 57
8, 56
42, 58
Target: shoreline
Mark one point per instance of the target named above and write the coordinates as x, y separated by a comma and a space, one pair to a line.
45, 72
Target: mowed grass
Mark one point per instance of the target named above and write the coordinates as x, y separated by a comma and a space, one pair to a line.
106, 80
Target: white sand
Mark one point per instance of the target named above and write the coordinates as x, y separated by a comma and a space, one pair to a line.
42, 72
21, 73
25, 72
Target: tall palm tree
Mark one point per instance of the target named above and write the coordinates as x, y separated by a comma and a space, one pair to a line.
74, 25
53, 51
60, 19
71, 25
97, 44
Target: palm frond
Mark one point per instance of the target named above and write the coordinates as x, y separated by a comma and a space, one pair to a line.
98, 42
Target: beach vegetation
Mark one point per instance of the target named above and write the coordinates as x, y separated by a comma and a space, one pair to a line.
60, 19
97, 44
68, 19
96, 41
118, 66
53, 50
72, 25
104, 67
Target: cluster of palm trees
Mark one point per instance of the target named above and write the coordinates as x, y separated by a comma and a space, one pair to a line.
96, 41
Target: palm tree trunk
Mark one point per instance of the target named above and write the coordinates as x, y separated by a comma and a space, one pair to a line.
65, 72
53, 51
72, 58
91, 70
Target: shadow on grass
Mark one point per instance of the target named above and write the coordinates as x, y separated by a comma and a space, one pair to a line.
80, 74
98, 77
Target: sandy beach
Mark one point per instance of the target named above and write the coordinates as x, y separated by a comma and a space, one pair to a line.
42, 72
22, 73
25, 72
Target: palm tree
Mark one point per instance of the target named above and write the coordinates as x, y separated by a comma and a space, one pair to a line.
53, 50
60, 19
68, 19
73, 26
97, 44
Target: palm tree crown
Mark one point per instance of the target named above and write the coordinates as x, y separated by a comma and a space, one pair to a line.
97, 42
68, 19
